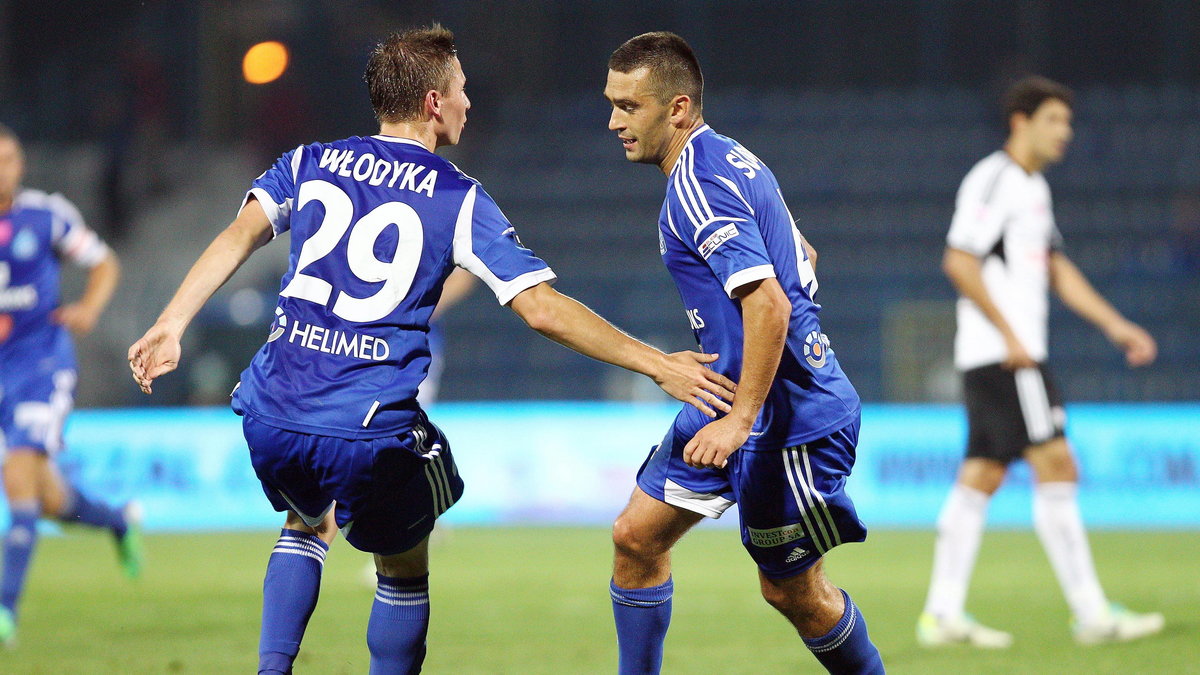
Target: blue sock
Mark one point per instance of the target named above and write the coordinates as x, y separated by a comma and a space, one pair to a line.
398, 625
643, 616
85, 511
289, 596
18, 550
847, 649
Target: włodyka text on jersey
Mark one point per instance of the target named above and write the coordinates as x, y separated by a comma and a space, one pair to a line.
366, 167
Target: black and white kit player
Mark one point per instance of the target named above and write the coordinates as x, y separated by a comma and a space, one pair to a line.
1004, 253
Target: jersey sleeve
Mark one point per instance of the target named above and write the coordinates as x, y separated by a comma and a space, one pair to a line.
275, 190
72, 239
712, 218
486, 245
979, 214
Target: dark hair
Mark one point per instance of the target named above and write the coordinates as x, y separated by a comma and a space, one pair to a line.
1029, 93
404, 67
673, 66
7, 132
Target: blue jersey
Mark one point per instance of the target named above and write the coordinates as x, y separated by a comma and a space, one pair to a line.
724, 224
38, 232
377, 225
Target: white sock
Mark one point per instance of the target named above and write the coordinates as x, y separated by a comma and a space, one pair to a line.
960, 527
1060, 527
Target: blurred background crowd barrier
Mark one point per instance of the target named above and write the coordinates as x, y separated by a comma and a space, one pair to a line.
574, 464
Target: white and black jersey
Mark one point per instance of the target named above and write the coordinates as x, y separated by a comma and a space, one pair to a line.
1004, 216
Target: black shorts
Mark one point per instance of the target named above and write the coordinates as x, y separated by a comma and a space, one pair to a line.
1008, 411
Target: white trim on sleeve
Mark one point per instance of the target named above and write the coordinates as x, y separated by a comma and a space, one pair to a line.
743, 277
269, 207
464, 257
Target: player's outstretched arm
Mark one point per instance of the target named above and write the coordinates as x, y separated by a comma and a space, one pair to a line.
158, 352
965, 271
1077, 293
565, 320
766, 313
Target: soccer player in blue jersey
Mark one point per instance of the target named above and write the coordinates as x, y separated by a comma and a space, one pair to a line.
329, 403
784, 451
37, 370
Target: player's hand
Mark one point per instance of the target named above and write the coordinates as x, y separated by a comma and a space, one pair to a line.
76, 317
1018, 358
157, 353
685, 376
1139, 347
715, 442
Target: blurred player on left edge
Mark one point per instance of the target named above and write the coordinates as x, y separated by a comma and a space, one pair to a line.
37, 370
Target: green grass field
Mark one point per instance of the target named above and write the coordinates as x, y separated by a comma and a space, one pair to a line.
531, 600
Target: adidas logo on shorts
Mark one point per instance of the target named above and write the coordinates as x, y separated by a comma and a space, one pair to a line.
796, 554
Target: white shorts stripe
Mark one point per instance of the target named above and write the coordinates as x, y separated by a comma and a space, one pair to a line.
439, 470
1035, 405
812, 496
435, 490
824, 511
789, 471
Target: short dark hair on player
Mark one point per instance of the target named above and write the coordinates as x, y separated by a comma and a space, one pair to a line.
673, 66
1028, 94
404, 67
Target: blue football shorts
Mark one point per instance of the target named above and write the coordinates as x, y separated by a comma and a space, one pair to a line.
34, 404
388, 490
792, 502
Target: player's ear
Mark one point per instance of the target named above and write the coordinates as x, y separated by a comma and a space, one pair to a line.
681, 110
433, 103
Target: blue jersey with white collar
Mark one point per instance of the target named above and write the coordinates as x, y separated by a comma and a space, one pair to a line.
377, 224
724, 224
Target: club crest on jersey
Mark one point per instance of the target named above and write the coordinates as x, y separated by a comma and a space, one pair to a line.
24, 245
278, 326
816, 349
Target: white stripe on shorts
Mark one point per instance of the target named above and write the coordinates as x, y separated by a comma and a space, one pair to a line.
823, 510
1035, 405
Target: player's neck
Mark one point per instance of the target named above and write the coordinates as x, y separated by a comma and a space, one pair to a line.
422, 133
6, 204
678, 143
1023, 156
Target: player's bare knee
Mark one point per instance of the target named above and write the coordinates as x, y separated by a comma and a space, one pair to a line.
983, 475
1052, 462
632, 541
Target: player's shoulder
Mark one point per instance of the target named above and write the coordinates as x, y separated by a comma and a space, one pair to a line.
989, 176
715, 158
54, 203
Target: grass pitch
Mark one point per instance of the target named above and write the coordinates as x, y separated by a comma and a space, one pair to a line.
535, 600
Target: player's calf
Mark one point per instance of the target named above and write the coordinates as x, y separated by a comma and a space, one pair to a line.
827, 620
